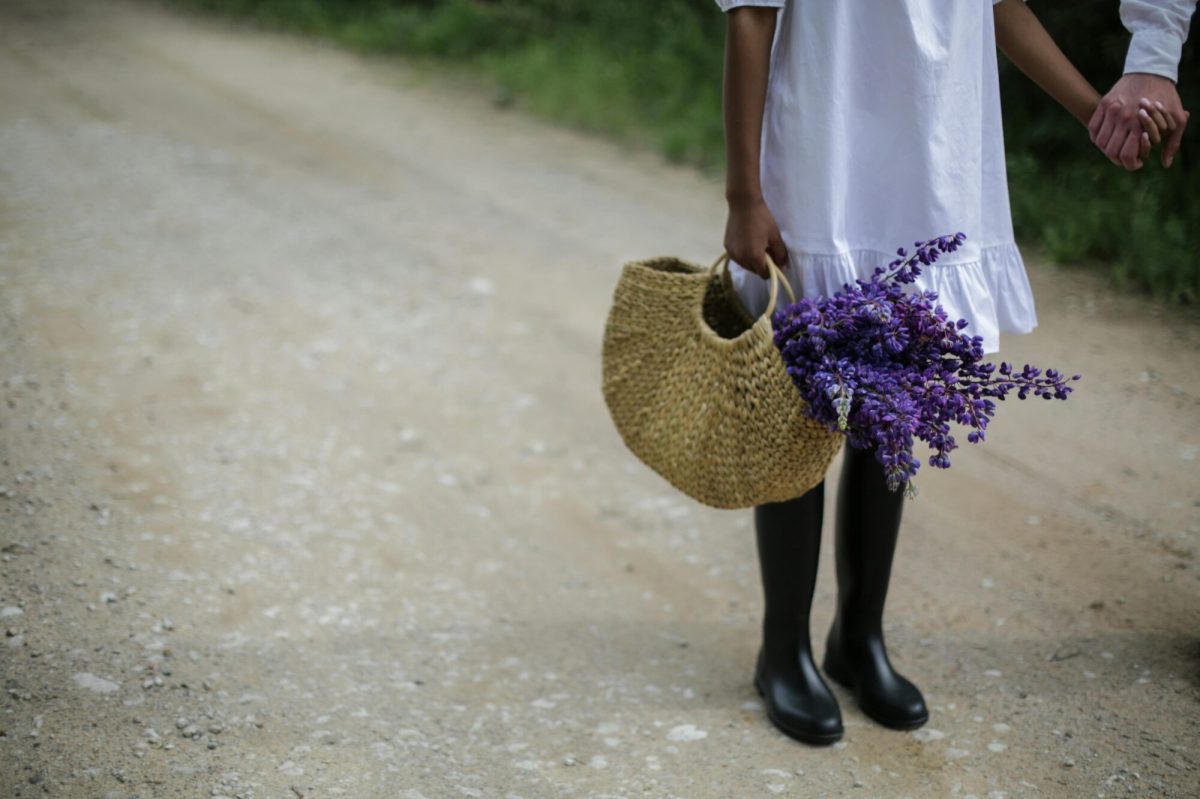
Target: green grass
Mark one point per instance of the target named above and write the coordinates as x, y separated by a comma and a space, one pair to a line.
650, 74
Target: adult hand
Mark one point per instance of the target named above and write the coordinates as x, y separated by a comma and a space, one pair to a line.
1116, 128
751, 231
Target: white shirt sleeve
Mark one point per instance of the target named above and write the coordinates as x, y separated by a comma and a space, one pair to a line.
728, 4
1159, 28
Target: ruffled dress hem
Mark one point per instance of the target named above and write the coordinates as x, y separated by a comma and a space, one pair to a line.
992, 293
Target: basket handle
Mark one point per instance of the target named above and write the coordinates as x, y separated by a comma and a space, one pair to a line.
776, 277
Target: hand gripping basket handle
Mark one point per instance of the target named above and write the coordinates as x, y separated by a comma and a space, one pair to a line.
776, 275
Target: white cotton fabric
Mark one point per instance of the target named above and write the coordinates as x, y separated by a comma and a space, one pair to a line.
1159, 28
882, 127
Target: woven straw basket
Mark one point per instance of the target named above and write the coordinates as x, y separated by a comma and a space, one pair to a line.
698, 391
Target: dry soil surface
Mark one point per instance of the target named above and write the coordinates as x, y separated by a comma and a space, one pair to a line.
309, 488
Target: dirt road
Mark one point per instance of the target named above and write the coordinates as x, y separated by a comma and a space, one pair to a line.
309, 489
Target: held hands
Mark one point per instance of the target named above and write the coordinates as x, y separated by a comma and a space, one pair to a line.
1141, 111
751, 231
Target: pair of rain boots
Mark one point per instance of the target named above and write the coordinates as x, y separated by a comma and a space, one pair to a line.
798, 700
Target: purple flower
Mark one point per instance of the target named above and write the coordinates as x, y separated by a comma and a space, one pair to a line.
885, 366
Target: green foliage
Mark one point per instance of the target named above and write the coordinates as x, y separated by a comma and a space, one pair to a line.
650, 72
1143, 226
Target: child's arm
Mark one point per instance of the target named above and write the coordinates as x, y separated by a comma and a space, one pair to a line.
751, 229
1021, 37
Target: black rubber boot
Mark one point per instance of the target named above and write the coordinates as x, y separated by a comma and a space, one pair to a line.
868, 522
798, 700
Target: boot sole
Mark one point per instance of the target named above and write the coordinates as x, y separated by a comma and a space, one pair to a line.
792, 732
841, 679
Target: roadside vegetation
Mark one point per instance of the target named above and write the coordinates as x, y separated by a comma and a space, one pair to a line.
649, 73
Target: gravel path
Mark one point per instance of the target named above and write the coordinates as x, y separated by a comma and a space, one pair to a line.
308, 488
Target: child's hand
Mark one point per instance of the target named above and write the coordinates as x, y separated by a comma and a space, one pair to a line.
750, 233
1114, 130
1156, 125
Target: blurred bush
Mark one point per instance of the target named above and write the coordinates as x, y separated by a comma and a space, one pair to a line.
649, 72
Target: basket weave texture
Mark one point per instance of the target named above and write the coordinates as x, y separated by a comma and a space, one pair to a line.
698, 391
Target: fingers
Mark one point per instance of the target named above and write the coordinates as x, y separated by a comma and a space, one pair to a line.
1107, 126
745, 246
1158, 115
778, 252
1169, 123
1119, 135
1151, 127
754, 259
1175, 138
751, 260
1127, 150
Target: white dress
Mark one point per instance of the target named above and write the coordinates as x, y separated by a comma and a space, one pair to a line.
881, 128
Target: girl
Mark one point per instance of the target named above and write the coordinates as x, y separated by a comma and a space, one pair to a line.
851, 129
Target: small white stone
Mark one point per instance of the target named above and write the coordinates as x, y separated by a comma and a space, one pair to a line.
953, 753
926, 734
993, 673
95, 684
598, 761
1001, 727
9, 611
996, 746
686, 732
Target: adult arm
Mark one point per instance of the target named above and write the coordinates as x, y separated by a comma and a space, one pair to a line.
751, 230
1159, 28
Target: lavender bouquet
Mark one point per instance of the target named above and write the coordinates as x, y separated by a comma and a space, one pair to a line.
884, 366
